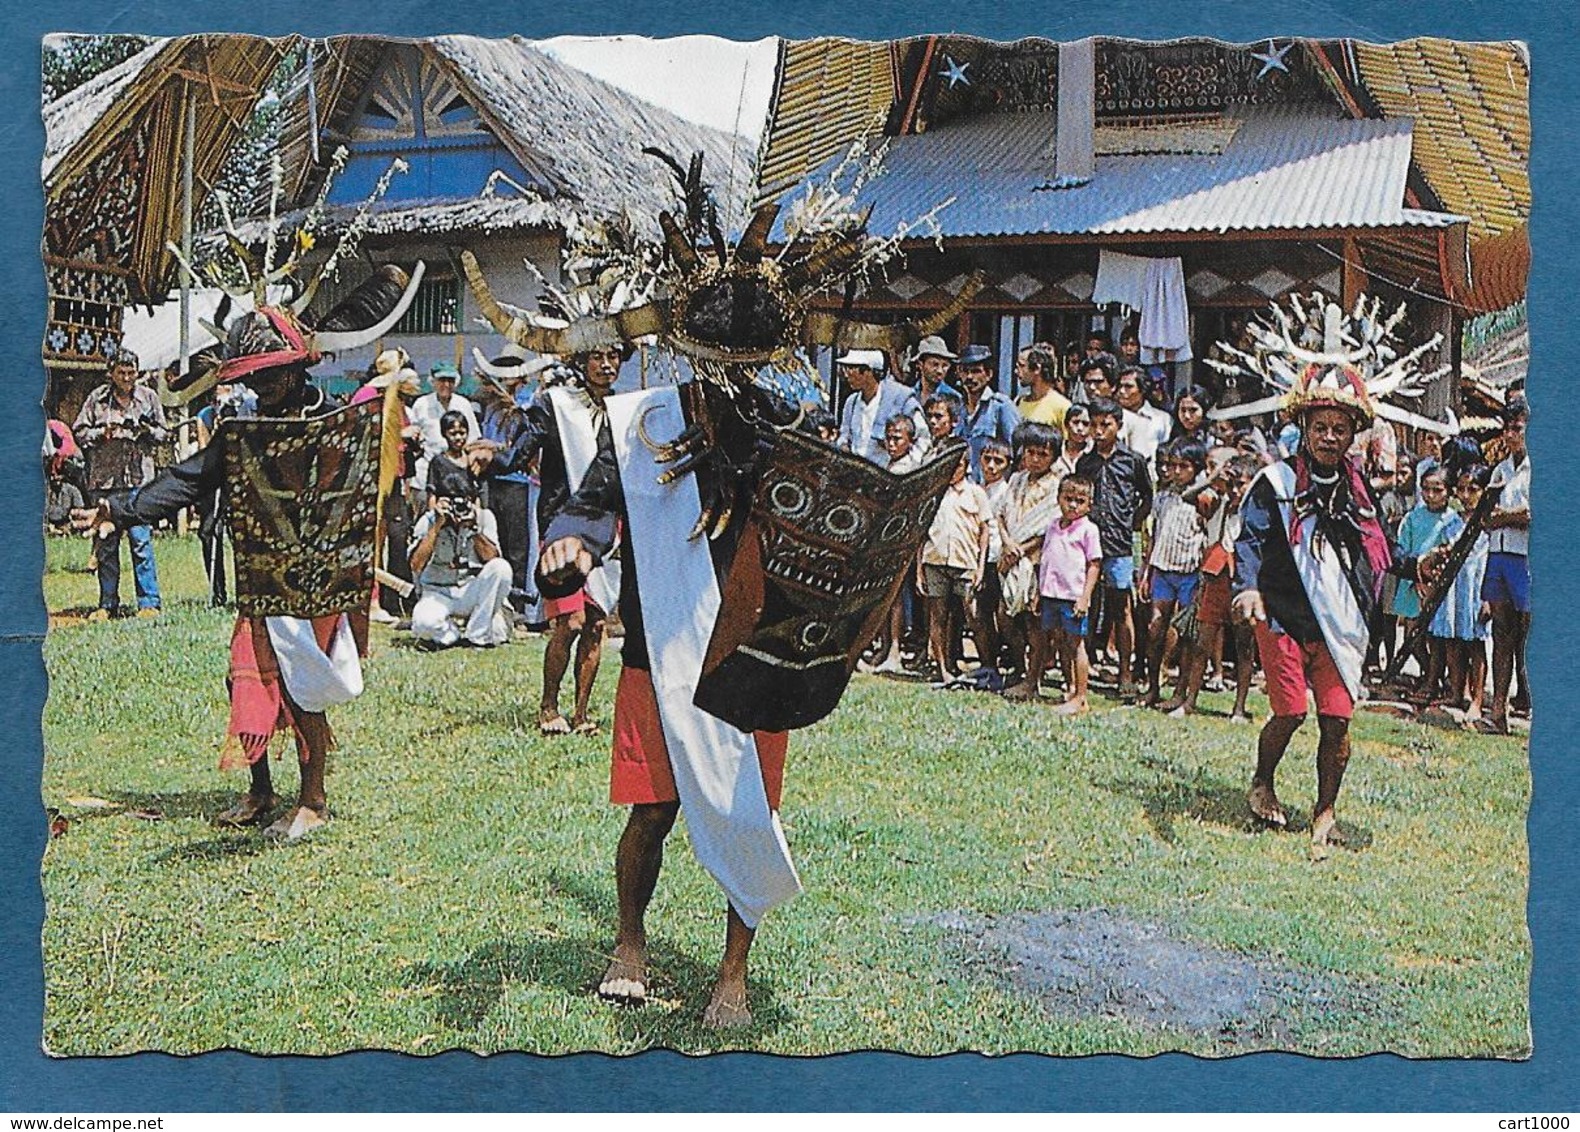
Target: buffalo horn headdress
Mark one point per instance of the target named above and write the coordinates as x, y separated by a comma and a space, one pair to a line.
278, 333
1316, 356
718, 304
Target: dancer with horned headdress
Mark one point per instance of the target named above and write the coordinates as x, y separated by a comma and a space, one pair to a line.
562, 429
757, 561
1311, 554
302, 488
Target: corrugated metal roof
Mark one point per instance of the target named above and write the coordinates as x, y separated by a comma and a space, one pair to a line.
1283, 169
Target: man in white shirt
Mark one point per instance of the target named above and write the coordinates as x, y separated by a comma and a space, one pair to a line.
873, 402
1506, 587
427, 410
1146, 426
464, 578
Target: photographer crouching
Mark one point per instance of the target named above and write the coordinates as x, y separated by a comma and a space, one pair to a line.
455, 554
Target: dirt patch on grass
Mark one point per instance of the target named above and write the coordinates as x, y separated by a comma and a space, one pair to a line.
1097, 963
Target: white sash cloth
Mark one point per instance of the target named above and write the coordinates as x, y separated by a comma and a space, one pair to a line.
314, 679
579, 442
734, 834
1343, 627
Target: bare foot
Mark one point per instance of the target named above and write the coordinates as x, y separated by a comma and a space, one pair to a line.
581, 725
297, 824
625, 982
1072, 707
1022, 692
1179, 711
1240, 717
1151, 698
1172, 706
250, 810
551, 722
1325, 836
1265, 806
727, 1009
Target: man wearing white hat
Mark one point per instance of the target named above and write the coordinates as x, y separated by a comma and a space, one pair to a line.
873, 402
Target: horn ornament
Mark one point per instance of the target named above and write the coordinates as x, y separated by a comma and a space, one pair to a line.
332, 341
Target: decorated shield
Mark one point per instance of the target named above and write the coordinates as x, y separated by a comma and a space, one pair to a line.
828, 542
302, 509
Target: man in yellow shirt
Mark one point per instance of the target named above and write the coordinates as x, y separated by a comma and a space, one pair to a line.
1036, 368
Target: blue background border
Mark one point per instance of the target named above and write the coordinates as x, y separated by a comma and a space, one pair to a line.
1549, 1081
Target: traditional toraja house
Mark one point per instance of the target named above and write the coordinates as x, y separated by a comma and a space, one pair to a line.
115, 179
1472, 145
1288, 165
505, 147
1470, 103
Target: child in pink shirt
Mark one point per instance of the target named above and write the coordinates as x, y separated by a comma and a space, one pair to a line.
1072, 557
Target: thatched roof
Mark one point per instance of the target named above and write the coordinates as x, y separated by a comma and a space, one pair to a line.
584, 135
74, 113
124, 128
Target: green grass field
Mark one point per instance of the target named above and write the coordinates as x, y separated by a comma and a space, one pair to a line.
463, 897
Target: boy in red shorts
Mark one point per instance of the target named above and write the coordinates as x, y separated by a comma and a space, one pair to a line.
1231, 480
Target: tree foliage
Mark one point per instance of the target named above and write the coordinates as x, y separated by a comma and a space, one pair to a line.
244, 177
71, 60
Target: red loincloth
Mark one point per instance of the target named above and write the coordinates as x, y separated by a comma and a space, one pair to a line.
260, 707
641, 772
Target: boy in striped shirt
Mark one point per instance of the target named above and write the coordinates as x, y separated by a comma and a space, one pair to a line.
1179, 535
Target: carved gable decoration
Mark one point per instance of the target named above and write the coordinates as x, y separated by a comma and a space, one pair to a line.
412, 97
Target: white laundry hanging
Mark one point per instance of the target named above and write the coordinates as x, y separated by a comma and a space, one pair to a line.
1121, 279
1155, 286
1165, 314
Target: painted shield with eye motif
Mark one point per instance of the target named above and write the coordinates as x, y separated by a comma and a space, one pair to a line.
829, 540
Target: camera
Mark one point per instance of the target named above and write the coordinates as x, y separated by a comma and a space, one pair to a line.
463, 511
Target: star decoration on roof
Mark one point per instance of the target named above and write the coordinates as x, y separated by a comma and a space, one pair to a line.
1273, 59
955, 72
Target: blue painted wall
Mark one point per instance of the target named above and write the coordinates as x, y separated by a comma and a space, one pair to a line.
450, 150
438, 171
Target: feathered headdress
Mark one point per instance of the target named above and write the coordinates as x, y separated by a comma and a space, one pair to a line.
277, 334
1317, 356
718, 304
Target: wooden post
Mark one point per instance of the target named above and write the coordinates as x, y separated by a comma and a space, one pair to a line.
1353, 278
187, 158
